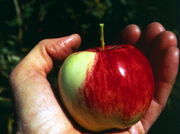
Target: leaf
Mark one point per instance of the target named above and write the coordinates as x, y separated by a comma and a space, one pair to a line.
12, 23
27, 10
10, 125
123, 2
5, 102
1, 89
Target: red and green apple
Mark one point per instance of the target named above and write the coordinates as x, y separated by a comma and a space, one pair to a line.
106, 87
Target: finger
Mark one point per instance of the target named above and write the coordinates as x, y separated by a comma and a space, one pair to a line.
166, 40
135, 129
61, 48
166, 74
162, 42
150, 32
165, 78
151, 115
41, 57
130, 34
138, 128
37, 108
164, 58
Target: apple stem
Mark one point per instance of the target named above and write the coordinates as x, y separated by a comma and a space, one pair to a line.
102, 35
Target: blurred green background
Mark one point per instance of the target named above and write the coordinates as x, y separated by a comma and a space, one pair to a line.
24, 23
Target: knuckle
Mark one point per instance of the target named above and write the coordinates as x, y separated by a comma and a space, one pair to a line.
44, 41
13, 75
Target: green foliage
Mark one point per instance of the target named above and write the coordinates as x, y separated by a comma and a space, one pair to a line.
24, 23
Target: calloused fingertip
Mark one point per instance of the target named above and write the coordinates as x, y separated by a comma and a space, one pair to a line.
133, 27
130, 34
149, 34
151, 31
170, 37
158, 26
76, 37
165, 40
73, 41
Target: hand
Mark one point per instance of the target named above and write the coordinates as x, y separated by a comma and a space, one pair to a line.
160, 46
36, 106
38, 111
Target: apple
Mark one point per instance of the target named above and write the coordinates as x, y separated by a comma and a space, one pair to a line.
106, 87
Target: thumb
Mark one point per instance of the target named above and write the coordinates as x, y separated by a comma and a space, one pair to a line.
40, 58
60, 48
37, 107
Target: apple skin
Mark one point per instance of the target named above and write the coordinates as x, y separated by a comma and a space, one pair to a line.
106, 89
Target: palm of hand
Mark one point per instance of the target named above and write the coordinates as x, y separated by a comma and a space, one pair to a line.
47, 116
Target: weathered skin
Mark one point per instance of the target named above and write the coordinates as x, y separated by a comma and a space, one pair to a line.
104, 89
